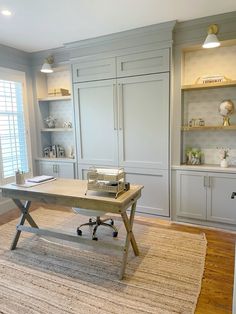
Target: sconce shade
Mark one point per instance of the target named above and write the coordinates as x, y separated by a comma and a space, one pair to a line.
212, 41
46, 68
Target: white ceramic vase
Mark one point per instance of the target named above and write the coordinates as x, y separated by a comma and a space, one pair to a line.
224, 163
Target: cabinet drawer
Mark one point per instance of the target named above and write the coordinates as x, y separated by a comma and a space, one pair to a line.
91, 70
143, 63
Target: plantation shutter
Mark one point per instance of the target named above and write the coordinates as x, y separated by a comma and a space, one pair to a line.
13, 148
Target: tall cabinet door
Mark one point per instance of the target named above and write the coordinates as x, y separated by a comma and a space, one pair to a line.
143, 124
96, 107
143, 103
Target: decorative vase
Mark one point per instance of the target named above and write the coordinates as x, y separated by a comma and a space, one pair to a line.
224, 163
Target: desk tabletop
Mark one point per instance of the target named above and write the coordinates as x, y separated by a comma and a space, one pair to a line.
70, 192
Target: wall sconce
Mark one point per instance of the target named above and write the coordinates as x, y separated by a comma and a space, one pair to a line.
46, 68
212, 40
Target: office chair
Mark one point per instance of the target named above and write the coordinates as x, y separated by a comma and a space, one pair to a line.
96, 222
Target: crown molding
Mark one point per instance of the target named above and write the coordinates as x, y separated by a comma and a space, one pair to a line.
153, 35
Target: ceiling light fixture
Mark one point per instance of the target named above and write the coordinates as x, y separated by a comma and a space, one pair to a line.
6, 12
46, 68
212, 40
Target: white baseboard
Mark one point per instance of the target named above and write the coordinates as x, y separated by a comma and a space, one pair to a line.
6, 205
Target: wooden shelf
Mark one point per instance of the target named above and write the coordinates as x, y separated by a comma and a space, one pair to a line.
208, 85
57, 130
54, 98
208, 127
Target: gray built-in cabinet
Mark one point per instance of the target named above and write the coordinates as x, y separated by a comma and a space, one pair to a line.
202, 193
206, 196
122, 114
58, 169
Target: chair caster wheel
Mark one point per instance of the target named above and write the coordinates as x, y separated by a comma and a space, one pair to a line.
112, 222
79, 232
95, 238
115, 234
90, 219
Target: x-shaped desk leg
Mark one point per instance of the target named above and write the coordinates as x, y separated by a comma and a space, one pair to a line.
128, 222
24, 216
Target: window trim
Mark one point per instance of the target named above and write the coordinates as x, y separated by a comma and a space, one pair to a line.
19, 76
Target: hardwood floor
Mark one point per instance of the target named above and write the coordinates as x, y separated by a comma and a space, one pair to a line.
217, 285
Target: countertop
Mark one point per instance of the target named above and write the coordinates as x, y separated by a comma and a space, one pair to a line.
205, 167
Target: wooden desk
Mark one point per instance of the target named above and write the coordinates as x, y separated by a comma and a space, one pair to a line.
72, 193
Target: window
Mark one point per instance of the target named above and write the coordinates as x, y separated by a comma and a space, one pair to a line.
13, 134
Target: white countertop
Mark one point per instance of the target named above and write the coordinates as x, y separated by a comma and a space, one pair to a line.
69, 160
205, 167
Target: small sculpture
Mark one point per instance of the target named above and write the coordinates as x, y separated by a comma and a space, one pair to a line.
46, 152
226, 108
67, 124
54, 151
50, 122
60, 151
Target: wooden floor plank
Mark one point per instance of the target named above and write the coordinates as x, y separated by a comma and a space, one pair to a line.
217, 285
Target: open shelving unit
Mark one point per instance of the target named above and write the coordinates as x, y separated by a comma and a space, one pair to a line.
61, 109
201, 102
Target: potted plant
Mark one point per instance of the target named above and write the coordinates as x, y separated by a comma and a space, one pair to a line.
193, 156
224, 153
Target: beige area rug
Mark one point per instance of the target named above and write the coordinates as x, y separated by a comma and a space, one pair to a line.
56, 277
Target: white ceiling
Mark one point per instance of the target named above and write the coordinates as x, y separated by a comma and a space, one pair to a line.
43, 24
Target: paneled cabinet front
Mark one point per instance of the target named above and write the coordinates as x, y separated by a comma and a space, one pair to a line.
141, 63
155, 195
191, 194
129, 116
92, 70
206, 196
56, 169
143, 103
96, 107
125, 122
221, 208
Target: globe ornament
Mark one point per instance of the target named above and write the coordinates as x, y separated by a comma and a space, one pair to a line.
226, 108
